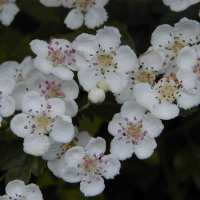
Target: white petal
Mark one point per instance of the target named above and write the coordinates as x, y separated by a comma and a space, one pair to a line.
7, 106
74, 19
121, 147
111, 168
153, 125
7, 88
187, 58
80, 61
70, 89
57, 107
102, 2
71, 107
96, 146
15, 187
165, 110
39, 47
132, 109
117, 80
57, 165
62, 131
74, 156
51, 3
71, 174
92, 188
83, 138
43, 65
32, 192
88, 79
18, 123
113, 126
126, 59
4, 197
36, 144
145, 96
63, 73
145, 148
108, 37
95, 16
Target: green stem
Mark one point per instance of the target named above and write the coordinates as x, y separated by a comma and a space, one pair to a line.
1, 179
84, 107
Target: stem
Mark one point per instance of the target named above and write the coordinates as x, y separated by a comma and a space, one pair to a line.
84, 107
1, 179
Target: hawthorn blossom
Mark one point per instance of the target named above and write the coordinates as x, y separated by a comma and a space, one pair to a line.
101, 58
170, 40
150, 64
56, 153
179, 5
8, 10
51, 3
17, 190
7, 103
54, 87
88, 165
24, 74
164, 99
39, 119
134, 131
91, 12
57, 57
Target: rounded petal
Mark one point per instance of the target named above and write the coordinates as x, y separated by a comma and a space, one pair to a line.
111, 166
62, 131
32, 192
132, 109
102, 2
57, 107
74, 19
7, 106
153, 125
15, 187
121, 147
51, 3
108, 37
126, 59
71, 107
92, 185
95, 146
165, 111
18, 124
63, 73
95, 16
71, 174
145, 148
43, 65
74, 156
6, 89
70, 89
114, 127
39, 47
36, 144
83, 138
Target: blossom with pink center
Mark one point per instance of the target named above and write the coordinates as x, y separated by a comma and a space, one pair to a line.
57, 57
40, 121
88, 165
134, 131
89, 12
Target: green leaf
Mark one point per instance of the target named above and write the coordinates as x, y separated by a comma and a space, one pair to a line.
19, 164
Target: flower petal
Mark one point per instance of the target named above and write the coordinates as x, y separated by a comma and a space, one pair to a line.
39, 47
15, 187
32, 192
7, 106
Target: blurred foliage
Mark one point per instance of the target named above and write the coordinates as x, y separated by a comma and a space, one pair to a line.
172, 172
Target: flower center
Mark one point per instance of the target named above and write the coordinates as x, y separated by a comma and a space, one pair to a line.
84, 4
19, 79
3, 2
196, 68
42, 121
176, 47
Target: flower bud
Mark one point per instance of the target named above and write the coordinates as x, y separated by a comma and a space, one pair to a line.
103, 85
96, 95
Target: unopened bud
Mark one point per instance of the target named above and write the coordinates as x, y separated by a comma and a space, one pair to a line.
103, 85
96, 95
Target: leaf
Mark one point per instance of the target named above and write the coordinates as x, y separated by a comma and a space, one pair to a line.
19, 164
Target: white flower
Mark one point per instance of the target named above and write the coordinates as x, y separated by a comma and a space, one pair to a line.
51, 3
149, 65
54, 87
8, 10
24, 74
96, 95
88, 165
179, 5
57, 57
134, 131
101, 58
7, 103
165, 98
90, 11
17, 190
170, 40
40, 118
56, 153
